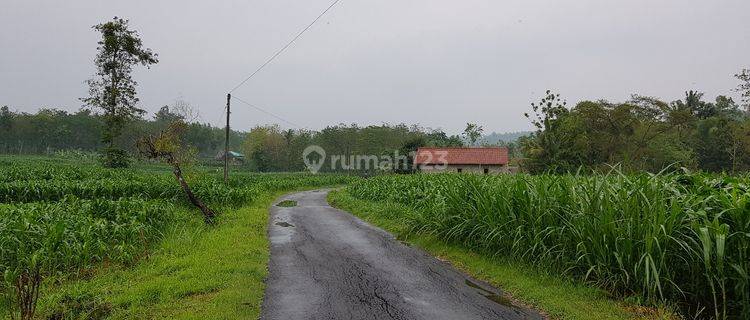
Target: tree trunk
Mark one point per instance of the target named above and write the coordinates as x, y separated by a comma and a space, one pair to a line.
208, 214
27, 294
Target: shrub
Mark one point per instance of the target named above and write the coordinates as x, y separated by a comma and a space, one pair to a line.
115, 158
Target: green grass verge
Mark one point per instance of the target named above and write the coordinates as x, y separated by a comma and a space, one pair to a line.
555, 296
196, 272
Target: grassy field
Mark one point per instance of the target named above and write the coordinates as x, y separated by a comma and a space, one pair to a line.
681, 240
100, 243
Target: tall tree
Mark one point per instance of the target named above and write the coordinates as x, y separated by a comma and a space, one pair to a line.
438, 138
113, 90
264, 146
699, 108
6, 125
165, 116
472, 133
740, 147
744, 87
558, 143
714, 144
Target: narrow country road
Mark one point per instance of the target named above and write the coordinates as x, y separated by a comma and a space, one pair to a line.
327, 264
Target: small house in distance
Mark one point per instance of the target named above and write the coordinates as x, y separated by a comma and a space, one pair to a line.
473, 160
235, 158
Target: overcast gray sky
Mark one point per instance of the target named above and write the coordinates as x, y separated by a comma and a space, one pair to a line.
438, 63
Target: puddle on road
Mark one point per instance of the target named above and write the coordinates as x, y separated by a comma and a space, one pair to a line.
499, 299
284, 224
287, 203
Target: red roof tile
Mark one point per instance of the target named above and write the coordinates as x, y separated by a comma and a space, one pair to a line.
486, 156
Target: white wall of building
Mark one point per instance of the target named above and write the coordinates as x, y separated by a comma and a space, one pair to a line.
465, 168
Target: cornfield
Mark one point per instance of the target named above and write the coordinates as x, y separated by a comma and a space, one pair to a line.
57, 220
677, 239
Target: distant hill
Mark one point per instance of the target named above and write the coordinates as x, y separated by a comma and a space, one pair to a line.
495, 138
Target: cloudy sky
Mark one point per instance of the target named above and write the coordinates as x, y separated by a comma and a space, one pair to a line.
438, 63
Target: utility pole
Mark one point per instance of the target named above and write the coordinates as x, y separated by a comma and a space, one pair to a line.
226, 143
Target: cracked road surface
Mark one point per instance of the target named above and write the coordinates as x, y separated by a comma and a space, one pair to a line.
327, 264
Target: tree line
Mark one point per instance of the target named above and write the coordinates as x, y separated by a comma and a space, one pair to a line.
270, 148
50, 130
267, 147
643, 133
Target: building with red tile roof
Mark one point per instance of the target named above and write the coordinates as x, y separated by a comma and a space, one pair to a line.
463, 159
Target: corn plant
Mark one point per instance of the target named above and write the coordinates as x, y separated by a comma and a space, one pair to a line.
59, 219
39, 239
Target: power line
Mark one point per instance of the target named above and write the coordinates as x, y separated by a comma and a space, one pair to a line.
285, 46
234, 97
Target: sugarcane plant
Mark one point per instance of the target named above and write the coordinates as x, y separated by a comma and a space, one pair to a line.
681, 239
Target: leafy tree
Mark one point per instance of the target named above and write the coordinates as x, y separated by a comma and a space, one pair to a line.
713, 144
166, 116
606, 128
6, 127
264, 145
438, 138
409, 150
113, 90
740, 147
558, 144
6, 118
547, 111
744, 87
665, 150
701, 109
725, 106
472, 133
295, 143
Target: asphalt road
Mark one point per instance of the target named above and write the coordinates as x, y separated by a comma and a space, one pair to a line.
327, 264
